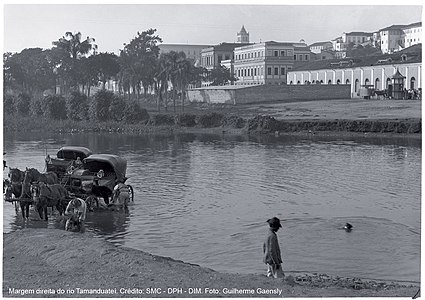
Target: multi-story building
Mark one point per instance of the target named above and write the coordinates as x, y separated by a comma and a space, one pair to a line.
320, 46
398, 37
267, 62
356, 38
192, 52
213, 56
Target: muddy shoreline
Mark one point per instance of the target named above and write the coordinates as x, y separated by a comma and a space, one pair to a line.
59, 264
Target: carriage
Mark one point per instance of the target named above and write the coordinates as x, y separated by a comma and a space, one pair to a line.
66, 159
98, 176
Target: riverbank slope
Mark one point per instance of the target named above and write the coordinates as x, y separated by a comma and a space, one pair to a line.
48, 261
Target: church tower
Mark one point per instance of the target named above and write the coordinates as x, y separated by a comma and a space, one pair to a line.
243, 36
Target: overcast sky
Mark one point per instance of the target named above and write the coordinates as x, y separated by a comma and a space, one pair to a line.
112, 25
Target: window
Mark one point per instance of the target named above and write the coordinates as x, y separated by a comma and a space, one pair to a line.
295, 57
276, 71
338, 81
329, 81
239, 73
244, 72
306, 57
282, 71
282, 53
269, 71
255, 72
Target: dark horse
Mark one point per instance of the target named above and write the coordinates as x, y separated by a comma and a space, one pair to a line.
33, 175
45, 195
14, 187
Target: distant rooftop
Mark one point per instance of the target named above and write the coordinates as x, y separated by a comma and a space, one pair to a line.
401, 27
412, 55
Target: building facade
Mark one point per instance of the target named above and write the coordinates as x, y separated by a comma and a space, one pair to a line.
192, 52
318, 47
399, 37
356, 37
374, 70
213, 56
268, 62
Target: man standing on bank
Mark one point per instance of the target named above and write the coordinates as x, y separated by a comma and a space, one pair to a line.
271, 250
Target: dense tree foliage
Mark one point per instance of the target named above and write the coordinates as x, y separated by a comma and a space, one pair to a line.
58, 82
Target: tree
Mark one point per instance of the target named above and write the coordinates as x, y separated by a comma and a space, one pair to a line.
106, 66
29, 71
68, 50
220, 75
138, 61
77, 106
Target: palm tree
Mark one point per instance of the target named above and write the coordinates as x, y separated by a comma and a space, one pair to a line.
69, 49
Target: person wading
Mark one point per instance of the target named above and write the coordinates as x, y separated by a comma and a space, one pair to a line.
271, 250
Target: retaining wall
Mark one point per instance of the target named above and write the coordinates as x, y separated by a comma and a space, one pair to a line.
269, 93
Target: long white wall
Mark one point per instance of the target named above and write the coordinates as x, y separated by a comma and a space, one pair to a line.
373, 75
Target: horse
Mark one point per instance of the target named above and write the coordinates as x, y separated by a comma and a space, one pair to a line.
33, 175
16, 178
16, 175
15, 189
45, 195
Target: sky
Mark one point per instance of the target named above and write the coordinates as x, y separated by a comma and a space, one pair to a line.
113, 25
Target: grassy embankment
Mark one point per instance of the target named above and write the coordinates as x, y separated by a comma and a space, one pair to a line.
219, 118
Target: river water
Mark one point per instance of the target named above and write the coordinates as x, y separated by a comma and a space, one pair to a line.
205, 199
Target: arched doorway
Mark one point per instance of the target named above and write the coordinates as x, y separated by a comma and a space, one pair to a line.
377, 84
412, 83
356, 86
366, 82
347, 81
338, 81
329, 81
388, 83
298, 82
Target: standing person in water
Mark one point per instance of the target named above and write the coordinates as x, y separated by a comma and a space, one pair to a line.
271, 250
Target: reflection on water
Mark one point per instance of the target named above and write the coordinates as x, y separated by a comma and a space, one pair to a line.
204, 199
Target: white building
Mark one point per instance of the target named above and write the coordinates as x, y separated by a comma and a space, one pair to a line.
370, 70
399, 37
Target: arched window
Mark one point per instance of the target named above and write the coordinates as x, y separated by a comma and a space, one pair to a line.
388, 83
321, 81
356, 86
329, 81
377, 84
347, 81
290, 82
366, 82
314, 81
412, 83
338, 81
298, 82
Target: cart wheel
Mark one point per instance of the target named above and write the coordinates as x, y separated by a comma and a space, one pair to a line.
131, 191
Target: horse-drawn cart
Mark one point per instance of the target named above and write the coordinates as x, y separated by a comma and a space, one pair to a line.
67, 159
99, 177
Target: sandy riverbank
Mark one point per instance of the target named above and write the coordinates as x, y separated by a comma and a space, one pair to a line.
46, 261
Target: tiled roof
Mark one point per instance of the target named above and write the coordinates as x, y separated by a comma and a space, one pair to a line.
319, 44
400, 27
358, 33
413, 55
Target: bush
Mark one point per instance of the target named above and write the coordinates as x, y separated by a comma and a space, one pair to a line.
133, 113
9, 104
185, 120
23, 104
210, 120
116, 109
54, 107
162, 120
99, 106
234, 122
36, 109
77, 106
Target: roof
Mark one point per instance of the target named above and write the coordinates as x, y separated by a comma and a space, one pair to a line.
77, 149
358, 33
222, 87
413, 55
119, 164
225, 46
243, 30
401, 27
320, 44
